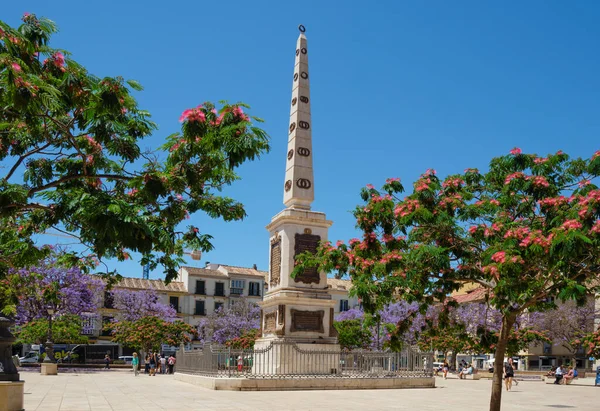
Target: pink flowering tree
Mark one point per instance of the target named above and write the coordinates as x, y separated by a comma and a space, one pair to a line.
527, 230
134, 305
70, 146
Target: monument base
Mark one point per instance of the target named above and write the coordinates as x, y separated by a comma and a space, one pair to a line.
48, 368
11, 395
293, 384
275, 357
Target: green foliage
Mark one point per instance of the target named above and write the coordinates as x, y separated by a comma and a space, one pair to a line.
66, 329
352, 334
70, 143
148, 333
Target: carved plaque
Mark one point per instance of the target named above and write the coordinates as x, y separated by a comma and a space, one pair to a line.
303, 50
307, 242
307, 321
275, 261
270, 322
295, 76
294, 101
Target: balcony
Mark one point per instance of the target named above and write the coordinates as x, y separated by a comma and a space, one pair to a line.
200, 312
236, 291
200, 291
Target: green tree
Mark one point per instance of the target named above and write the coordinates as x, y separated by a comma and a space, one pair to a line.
352, 334
66, 329
528, 231
148, 333
70, 151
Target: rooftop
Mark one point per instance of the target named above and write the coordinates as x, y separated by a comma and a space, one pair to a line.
337, 284
476, 295
232, 269
158, 285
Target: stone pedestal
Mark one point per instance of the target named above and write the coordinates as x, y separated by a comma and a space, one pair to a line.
277, 357
11, 395
48, 368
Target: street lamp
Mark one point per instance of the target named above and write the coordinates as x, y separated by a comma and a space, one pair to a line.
48, 347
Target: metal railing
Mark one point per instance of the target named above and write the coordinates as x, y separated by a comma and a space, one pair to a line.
285, 359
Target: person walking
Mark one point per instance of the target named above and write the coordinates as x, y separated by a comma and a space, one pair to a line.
152, 364
135, 362
509, 374
163, 364
106, 362
172, 361
147, 364
445, 369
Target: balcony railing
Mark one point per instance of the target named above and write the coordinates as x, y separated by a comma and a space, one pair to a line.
236, 291
200, 291
200, 312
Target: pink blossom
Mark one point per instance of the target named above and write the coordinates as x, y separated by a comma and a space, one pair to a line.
391, 180
584, 183
596, 155
513, 176
540, 160
16, 67
473, 229
499, 257
193, 115
515, 151
596, 227
370, 186
571, 225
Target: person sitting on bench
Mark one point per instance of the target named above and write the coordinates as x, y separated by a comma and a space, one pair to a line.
568, 377
465, 371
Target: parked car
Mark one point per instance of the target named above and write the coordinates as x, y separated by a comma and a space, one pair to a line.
127, 358
31, 357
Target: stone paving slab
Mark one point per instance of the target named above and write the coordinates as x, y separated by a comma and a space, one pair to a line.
104, 391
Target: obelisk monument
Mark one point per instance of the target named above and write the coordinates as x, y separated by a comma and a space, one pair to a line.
298, 309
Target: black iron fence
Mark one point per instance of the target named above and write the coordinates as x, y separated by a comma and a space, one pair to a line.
287, 359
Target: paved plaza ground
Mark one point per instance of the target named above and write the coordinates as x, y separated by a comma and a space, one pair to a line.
114, 390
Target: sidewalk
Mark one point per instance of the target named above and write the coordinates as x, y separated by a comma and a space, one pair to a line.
104, 391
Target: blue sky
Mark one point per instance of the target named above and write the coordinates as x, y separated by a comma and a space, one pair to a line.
397, 87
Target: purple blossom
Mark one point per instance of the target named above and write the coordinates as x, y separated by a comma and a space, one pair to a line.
135, 305
226, 324
66, 290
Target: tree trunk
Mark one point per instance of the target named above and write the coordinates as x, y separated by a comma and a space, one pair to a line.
453, 359
496, 398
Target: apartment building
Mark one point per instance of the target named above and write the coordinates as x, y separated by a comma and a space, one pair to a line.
216, 286
339, 290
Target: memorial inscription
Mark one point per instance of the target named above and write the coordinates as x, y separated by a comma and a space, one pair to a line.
275, 261
307, 321
307, 242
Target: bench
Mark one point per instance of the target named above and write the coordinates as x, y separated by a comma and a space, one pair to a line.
522, 377
474, 377
550, 380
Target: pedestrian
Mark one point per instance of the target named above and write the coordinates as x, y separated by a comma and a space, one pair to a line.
106, 362
240, 363
445, 369
558, 373
509, 374
172, 361
147, 364
163, 364
135, 362
152, 364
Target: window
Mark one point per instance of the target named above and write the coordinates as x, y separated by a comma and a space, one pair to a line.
219, 289
174, 302
547, 348
218, 305
108, 299
106, 320
236, 287
343, 305
88, 324
200, 308
200, 287
254, 289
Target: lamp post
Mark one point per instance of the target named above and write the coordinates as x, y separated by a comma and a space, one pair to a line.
48, 346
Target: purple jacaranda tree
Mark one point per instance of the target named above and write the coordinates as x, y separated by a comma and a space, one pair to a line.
50, 285
225, 324
567, 324
134, 305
